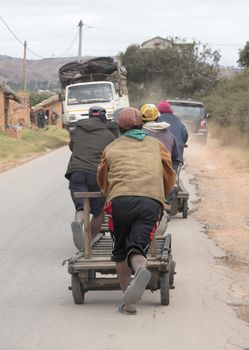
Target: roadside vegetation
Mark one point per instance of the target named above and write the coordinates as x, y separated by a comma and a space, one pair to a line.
37, 97
228, 104
192, 71
33, 142
183, 70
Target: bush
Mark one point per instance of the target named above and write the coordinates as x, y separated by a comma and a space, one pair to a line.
229, 102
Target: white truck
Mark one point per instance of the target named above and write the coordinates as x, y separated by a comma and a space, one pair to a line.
100, 81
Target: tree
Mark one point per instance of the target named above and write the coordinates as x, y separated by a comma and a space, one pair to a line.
243, 60
180, 70
36, 97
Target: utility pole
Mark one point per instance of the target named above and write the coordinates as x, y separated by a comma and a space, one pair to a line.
80, 41
24, 77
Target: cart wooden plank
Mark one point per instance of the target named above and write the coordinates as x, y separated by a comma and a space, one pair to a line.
92, 269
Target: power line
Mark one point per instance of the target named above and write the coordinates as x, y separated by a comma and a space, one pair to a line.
116, 31
62, 33
18, 39
11, 31
30, 50
70, 46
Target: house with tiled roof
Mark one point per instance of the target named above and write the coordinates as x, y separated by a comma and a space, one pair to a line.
14, 108
6, 95
50, 105
157, 43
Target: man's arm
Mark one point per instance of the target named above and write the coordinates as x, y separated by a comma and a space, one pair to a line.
175, 153
184, 134
102, 174
169, 175
71, 143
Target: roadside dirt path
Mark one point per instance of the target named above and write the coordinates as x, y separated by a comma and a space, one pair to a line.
223, 188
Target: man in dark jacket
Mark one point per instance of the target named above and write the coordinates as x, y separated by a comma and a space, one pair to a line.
88, 140
176, 127
41, 119
159, 130
179, 130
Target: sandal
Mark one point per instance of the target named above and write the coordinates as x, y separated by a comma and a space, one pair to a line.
137, 287
127, 309
77, 235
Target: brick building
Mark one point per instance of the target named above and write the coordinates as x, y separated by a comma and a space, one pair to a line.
14, 107
19, 113
7, 97
50, 105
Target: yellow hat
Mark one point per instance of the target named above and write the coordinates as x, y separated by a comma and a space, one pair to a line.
150, 112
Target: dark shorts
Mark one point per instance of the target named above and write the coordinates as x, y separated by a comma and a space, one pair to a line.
133, 221
80, 181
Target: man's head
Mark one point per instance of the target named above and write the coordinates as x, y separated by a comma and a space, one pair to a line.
150, 113
98, 112
129, 118
164, 107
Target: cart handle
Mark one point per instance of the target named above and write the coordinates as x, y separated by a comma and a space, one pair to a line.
88, 194
87, 231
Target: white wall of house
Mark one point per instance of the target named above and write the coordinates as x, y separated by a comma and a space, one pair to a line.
156, 43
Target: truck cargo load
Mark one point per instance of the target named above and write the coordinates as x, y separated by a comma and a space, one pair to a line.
102, 68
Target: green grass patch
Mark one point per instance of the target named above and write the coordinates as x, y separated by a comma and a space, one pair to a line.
32, 143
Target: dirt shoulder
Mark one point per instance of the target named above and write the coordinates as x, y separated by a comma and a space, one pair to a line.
222, 180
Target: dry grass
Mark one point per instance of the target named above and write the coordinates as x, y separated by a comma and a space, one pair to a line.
234, 144
221, 174
33, 143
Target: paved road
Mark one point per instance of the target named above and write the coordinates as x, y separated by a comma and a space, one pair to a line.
37, 310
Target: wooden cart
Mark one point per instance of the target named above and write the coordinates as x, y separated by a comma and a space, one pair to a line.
180, 201
92, 269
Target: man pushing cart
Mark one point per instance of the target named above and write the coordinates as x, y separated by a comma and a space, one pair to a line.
135, 175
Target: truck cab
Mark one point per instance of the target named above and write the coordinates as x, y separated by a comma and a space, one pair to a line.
80, 97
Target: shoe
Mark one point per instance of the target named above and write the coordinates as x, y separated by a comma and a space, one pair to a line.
137, 287
127, 309
163, 224
77, 235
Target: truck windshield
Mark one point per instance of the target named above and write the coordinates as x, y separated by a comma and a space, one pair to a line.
185, 110
89, 93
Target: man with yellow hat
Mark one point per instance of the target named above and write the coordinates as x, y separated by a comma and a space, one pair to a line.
150, 115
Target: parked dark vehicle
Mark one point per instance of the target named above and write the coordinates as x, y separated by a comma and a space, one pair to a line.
193, 115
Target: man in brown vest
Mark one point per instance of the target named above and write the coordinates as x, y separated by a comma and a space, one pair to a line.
135, 175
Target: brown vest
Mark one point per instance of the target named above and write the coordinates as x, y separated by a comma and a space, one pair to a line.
135, 168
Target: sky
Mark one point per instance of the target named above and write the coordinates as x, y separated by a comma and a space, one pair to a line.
50, 27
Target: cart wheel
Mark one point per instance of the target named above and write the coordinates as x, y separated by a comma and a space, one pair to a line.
77, 291
174, 207
185, 209
172, 273
164, 288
